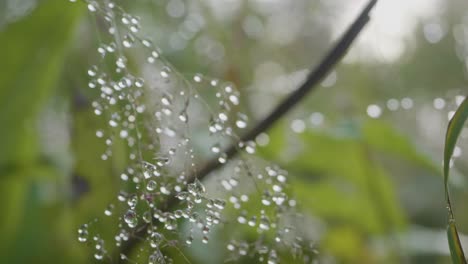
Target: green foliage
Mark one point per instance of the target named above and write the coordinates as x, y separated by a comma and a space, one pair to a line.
33, 54
454, 129
342, 172
340, 176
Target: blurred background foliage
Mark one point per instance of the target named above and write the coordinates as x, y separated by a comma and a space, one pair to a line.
364, 151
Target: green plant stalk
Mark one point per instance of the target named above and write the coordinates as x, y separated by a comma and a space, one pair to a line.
454, 129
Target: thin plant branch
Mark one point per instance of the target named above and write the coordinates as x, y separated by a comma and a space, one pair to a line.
311, 83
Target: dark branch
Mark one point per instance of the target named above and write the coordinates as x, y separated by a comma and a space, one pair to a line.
313, 79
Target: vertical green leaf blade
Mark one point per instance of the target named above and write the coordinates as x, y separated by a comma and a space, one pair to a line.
458, 257
454, 129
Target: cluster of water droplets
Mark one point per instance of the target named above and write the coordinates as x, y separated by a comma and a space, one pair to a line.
151, 114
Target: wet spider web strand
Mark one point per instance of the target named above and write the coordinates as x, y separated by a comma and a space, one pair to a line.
309, 85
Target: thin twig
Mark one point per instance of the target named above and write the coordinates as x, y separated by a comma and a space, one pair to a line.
313, 79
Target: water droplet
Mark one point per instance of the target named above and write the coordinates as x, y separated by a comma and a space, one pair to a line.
92, 71
171, 224
121, 62
198, 78
165, 72
147, 217
234, 99
156, 239
216, 148
406, 103
132, 201
99, 255
223, 116
147, 43
131, 218
182, 195
128, 41
199, 187
264, 223
93, 6
253, 221
109, 210
183, 117
243, 249
374, 111
393, 104
223, 158
250, 147
241, 121
272, 257
189, 240
83, 233
156, 258
151, 186
166, 100
439, 103
218, 203
231, 247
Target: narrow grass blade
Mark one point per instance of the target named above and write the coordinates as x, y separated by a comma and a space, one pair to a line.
454, 129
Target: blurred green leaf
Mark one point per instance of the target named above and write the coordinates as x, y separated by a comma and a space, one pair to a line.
339, 176
33, 52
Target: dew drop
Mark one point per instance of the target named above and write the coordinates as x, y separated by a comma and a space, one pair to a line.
298, 126
92, 71
98, 255
264, 223
182, 195
197, 78
83, 234
406, 103
253, 221
151, 185
171, 224
165, 72
439, 103
156, 258
393, 104
241, 121
131, 218
121, 62
146, 43
132, 201
109, 210
156, 239
234, 99
216, 148
223, 158
92, 6
374, 111
183, 117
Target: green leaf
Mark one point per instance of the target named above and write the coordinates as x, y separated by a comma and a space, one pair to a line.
383, 137
33, 52
454, 129
456, 250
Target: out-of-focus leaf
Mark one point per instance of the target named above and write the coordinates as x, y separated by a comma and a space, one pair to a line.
380, 136
32, 51
454, 129
339, 178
